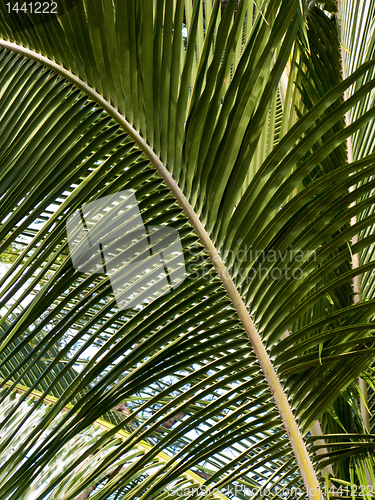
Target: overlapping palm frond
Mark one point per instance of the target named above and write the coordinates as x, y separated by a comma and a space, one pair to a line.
115, 96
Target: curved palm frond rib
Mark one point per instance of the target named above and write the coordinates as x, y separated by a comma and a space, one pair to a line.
261, 353
116, 97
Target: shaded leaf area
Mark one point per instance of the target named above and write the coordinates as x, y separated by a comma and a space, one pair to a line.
318, 75
359, 42
318, 78
338, 447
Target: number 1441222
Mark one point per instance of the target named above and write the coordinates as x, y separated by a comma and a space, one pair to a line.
33, 7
